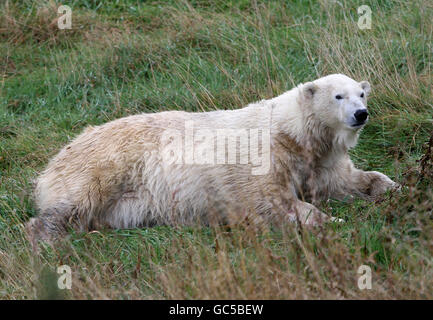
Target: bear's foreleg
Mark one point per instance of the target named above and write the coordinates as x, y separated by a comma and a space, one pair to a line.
368, 185
307, 214
373, 184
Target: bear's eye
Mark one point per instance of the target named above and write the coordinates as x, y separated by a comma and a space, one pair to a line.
362, 95
338, 97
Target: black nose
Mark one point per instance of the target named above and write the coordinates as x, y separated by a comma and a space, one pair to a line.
361, 115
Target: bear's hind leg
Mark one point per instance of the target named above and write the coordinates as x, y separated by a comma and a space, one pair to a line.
52, 224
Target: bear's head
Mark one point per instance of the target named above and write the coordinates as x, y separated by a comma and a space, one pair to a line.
338, 101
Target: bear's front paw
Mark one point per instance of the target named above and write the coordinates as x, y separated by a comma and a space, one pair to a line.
380, 184
338, 220
308, 215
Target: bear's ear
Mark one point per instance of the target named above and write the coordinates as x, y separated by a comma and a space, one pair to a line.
365, 85
309, 89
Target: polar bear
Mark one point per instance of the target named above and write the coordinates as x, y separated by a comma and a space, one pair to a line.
274, 158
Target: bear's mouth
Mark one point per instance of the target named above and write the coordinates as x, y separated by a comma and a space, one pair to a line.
359, 124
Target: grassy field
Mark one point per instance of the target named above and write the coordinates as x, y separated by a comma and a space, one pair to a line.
126, 57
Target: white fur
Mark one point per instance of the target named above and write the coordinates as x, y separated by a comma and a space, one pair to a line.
114, 175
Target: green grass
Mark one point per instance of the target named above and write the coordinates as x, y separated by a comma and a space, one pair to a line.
126, 57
